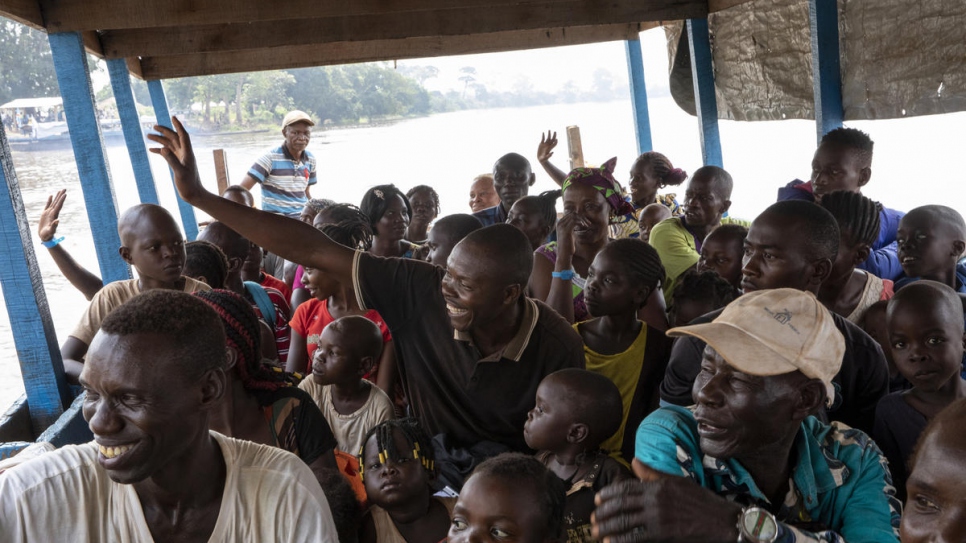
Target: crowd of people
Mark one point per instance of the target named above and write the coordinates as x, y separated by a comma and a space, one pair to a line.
635, 368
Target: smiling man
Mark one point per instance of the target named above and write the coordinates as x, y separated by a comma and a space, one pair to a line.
286, 172
678, 239
472, 347
154, 471
750, 460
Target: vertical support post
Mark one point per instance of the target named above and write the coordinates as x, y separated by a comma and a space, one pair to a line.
70, 64
23, 291
160, 104
575, 150
635, 75
131, 124
221, 169
704, 97
823, 18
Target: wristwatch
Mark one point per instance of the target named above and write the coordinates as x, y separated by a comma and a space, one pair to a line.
756, 525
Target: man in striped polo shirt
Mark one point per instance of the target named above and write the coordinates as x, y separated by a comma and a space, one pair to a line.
287, 172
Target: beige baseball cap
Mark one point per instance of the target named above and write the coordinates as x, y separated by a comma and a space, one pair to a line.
296, 116
773, 332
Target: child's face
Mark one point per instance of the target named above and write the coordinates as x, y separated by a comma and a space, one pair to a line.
550, 420
925, 247
440, 244
722, 256
610, 290
927, 344
393, 482
935, 509
319, 284
685, 311
492, 510
526, 218
649, 218
155, 247
335, 362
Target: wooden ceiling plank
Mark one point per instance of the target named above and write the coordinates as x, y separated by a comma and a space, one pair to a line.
23, 11
70, 15
228, 37
715, 6
299, 56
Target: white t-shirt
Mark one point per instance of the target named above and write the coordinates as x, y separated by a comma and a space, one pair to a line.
65, 495
349, 430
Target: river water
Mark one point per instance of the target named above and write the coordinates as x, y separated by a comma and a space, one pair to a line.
917, 161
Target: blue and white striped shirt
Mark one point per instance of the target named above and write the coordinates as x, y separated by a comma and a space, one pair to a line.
284, 180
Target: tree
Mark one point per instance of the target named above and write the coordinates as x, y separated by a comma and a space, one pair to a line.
469, 76
26, 64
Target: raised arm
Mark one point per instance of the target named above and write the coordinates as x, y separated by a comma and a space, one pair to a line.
83, 280
289, 238
544, 151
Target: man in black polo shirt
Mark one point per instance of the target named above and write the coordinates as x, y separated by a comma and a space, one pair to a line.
473, 348
792, 244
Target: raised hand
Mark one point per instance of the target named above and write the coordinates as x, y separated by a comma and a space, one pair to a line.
49, 219
179, 155
547, 142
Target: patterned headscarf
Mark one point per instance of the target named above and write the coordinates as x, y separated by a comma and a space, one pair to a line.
603, 180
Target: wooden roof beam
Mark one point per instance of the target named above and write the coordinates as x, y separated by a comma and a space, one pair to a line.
149, 42
23, 11
300, 56
77, 15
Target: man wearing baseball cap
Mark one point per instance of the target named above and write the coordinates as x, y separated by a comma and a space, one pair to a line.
286, 172
749, 462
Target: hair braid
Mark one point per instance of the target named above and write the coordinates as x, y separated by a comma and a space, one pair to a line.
639, 259
666, 173
421, 448
855, 214
353, 232
703, 286
425, 188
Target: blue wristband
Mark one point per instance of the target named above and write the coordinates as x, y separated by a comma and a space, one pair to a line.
566, 275
51, 243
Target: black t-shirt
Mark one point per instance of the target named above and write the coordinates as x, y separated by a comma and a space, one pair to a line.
451, 387
297, 423
861, 382
897, 429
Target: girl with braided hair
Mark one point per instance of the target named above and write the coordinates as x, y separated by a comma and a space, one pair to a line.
849, 291
617, 345
330, 300
260, 392
398, 468
425, 204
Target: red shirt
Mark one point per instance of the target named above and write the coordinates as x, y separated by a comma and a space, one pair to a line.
313, 316
272, 282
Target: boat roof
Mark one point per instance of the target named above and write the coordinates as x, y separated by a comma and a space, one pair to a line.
47, 101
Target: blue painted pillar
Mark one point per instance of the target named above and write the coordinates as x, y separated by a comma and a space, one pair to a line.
131, 124
635, 75
823, 18
23, 291
160, 104
70, 63
704, 98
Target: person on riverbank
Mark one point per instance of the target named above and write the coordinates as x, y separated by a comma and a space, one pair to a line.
512, 179
287, 172
679, 239
482, 193
843, 161
425, 204
472, 388
154, 471
152, 242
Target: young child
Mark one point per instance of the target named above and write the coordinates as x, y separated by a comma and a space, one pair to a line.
936, 506
931, 241
331, 300
616, 344
873, 322
535, 216
649, 216
510, 497
348, 347
848, 290
152, 242
575, 411
205, 262
722, 252
698, 293
398, 468
925, 322
446, 233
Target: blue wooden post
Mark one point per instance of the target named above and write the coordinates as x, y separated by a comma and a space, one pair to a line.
164, 119
131, 124
635, 75
23, 291
826, 68
705, 101
70, 63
